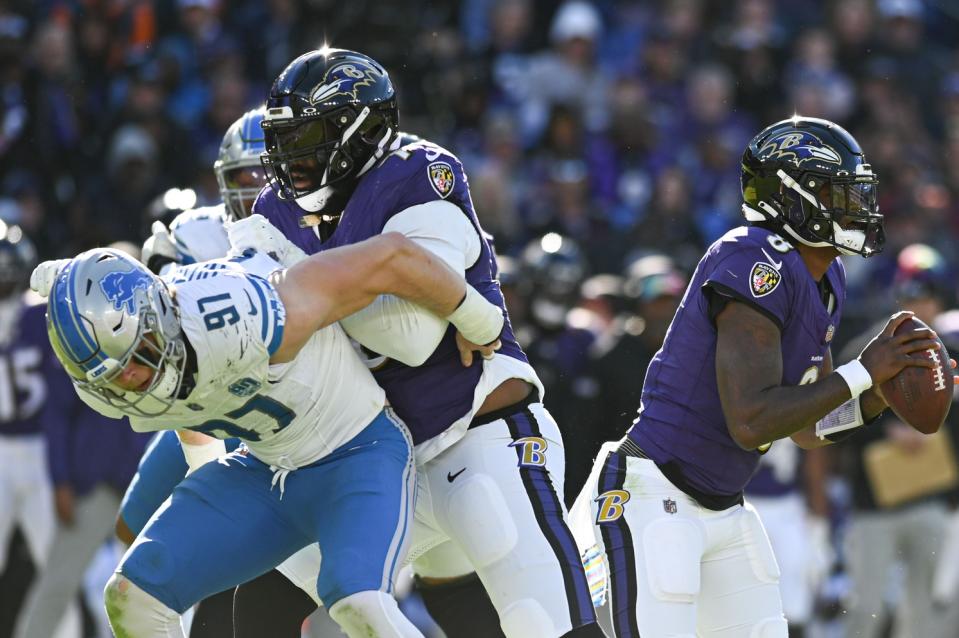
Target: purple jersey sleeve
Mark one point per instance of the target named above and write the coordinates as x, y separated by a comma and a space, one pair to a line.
756, 275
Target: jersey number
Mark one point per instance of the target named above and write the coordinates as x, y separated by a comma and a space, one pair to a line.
257, 403
19, 373
216, 319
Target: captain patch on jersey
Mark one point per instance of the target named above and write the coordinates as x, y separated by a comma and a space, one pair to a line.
764, 279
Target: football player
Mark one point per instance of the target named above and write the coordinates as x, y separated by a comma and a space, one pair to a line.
196, 236
491, 458
26, 492
219, 350
746, 361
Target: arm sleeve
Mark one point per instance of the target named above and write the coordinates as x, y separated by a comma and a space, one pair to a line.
442, 228
402, 330
751, 276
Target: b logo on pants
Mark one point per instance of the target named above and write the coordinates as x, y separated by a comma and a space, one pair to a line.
532, 451
611, 505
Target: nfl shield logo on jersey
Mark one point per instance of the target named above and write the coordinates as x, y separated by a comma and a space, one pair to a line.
669, 506
441, 178
763, 279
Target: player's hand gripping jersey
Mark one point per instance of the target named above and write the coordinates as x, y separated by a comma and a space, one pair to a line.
681, 425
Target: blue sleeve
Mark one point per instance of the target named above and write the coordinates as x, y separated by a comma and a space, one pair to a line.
161, 469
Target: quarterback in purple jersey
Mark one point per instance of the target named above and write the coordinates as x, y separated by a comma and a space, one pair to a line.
490, 497
746, 361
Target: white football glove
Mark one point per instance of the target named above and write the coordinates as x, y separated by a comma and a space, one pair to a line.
158, 249
42, 277
257, 233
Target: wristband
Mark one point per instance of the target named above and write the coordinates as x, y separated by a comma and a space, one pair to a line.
477, 319
198, 455
856, 377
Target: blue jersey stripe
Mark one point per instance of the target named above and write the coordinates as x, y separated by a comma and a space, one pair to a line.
270, 315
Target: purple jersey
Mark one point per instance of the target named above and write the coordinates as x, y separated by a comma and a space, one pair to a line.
430, 397
681, 425
26, 366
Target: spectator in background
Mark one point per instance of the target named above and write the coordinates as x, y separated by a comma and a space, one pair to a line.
905, 537
817, 87
566, 74
631, 321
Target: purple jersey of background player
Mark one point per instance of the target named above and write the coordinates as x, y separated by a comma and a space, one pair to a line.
681, 421
36, 397
434, 395
27, 365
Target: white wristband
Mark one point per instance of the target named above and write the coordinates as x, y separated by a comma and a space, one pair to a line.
856, 377
198, 455
477, 319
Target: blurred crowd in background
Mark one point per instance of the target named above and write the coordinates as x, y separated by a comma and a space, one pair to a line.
601, 138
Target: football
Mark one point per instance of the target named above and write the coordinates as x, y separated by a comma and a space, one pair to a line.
921, 396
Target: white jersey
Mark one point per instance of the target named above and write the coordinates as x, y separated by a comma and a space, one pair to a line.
200, 235
289, 415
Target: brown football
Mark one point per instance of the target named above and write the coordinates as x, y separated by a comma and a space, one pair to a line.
921, 396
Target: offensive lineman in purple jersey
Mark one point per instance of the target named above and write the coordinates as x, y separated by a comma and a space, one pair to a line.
491, 490
746, 361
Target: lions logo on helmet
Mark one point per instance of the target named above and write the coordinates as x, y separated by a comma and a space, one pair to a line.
800, 147
121, 287
344, 79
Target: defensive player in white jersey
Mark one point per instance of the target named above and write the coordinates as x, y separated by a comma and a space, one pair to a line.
222, 351
196, 236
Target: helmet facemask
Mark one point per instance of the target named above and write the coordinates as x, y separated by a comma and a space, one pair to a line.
317, 161
239, 187
832, 210
159, 346
239, 174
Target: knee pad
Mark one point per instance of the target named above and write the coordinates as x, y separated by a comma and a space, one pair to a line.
673, 550
527, 619
481, 520
372, 613
151, 564
133, 612
770, 628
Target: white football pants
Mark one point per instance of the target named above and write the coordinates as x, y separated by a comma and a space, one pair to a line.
676, 568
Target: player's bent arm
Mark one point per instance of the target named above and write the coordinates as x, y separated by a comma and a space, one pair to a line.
748, 355
397, 328
749, 368
333, 284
